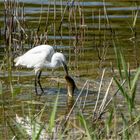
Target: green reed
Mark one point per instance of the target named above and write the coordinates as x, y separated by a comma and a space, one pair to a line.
85, 125
1, 88
53, 115
129, 92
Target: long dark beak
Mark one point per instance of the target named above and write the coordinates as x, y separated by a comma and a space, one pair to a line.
65, 67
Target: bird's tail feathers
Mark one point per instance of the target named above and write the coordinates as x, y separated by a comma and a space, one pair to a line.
16, 59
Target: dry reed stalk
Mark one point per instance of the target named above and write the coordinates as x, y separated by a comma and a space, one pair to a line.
109, 101
70, 34
75, 27
105, 13
99, 27
46, 25
87, 91
101, 108
54, 23
82, 28
61, 29
47, 17
62, 18
99, 91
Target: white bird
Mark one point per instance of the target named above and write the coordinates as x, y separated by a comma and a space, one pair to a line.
40, 57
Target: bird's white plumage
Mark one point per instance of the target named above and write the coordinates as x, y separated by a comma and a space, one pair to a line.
36, 57
56, 60
39, 57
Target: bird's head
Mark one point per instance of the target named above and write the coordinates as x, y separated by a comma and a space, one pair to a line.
70, 85
58, 60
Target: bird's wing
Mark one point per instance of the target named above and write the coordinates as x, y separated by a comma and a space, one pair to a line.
35, 57
32, 60
41, 48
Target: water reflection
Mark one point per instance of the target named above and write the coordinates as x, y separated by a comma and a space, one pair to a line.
70, 102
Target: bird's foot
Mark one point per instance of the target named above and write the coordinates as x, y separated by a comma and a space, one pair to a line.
39, 93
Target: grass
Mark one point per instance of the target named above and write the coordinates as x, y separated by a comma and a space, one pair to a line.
103, 125
128, 93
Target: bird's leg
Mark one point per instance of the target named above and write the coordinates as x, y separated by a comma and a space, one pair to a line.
37, 81
36, 78
39, 75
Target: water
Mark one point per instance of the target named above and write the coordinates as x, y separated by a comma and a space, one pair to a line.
91, 50
85, 39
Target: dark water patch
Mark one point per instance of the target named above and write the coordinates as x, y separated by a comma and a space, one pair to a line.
118, 17
123, 9
66, 3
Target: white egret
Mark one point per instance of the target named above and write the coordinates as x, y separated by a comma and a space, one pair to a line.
40, 57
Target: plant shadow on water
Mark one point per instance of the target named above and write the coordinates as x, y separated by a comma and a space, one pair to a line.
100, 41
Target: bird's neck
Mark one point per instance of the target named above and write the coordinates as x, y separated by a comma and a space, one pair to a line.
52, 64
